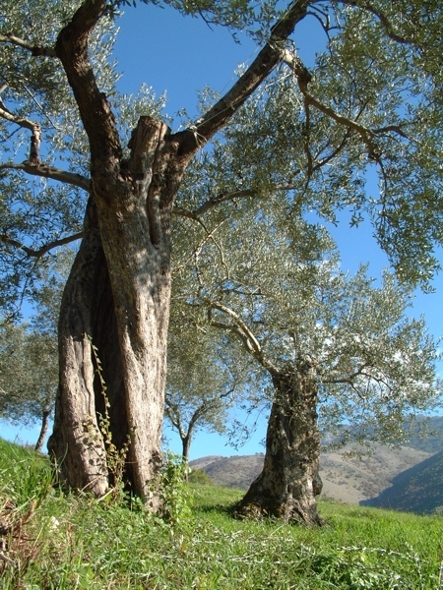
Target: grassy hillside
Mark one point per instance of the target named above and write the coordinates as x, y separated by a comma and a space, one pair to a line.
49, 540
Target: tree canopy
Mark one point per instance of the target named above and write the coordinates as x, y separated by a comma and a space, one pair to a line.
371, 102
284, 297
339, 350
201, 385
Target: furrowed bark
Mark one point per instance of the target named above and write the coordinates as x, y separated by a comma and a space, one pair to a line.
117, 299
289, 482
135, 232
87, 319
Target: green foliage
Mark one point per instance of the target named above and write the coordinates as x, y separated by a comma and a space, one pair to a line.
24, 475
28, 373
205, 377
353, 568
278, 292
372, 104
72, 542
174, 492
198, 476
376, 109
34, 211
29, 352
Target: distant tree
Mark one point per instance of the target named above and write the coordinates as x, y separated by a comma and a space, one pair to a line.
28, 377
29, 352
371, 102
204, 380
337, 349
199, 390
199, 476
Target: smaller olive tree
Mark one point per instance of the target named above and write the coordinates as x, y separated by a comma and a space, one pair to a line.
337, 348
29, 353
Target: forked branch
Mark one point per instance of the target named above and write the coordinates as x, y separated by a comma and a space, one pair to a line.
217, 117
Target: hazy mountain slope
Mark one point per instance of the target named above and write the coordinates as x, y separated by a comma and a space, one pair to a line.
354, 478
238, 471
431, 439
347, 479
418, 489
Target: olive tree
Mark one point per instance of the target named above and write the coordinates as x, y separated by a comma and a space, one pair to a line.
372, 100
338, 349
207, 381
200, 387
28, 377
29, 353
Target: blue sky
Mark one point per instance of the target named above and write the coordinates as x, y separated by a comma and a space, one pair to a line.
181, 55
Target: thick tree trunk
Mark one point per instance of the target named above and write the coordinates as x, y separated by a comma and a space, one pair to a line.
43, 430
134, 218
117, 299
289, 482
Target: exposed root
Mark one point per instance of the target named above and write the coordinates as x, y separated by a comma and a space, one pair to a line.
255, 510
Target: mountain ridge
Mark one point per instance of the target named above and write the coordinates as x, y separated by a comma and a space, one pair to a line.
352, 479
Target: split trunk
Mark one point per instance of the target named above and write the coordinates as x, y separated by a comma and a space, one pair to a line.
114, 321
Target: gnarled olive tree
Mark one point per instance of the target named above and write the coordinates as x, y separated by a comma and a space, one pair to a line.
372, 99
337, 348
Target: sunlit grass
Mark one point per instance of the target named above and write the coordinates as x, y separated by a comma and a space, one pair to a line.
58, 541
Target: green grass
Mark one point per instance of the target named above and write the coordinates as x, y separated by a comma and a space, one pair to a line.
57, 541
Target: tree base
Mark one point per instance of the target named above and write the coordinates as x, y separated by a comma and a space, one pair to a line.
291, 513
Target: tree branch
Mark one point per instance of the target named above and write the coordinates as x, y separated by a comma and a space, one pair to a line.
223, 198
95, 110
240, 328
50, 172
173, 413
261, 67
35, 128
303, 77
36, 50
44, 249
381, 17
349, 379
